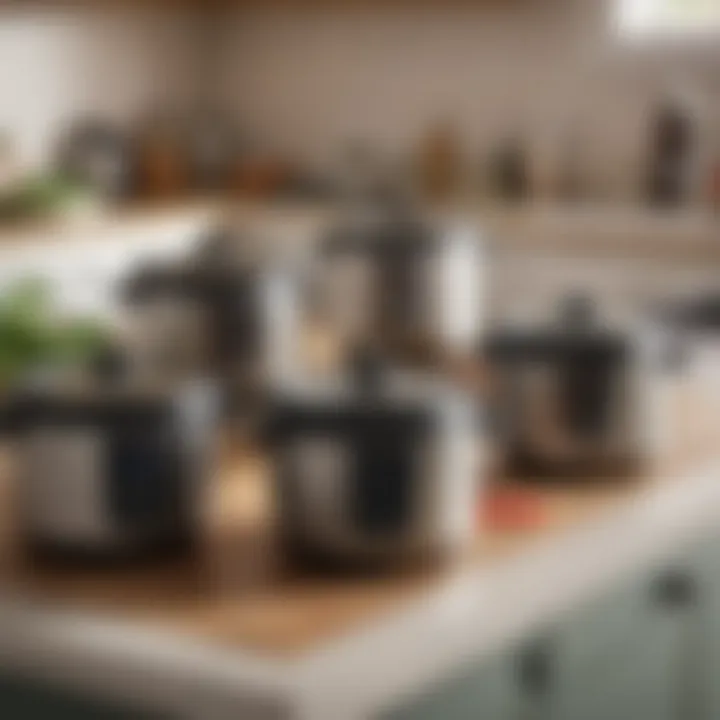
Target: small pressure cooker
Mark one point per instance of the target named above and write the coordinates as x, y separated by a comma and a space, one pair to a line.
410, 286
220, 313
571, 397
375, 467
111, 468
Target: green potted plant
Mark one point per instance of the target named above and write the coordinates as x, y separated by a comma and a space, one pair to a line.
33, 336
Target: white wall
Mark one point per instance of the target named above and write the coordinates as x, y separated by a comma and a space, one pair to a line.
116, 62
305, 79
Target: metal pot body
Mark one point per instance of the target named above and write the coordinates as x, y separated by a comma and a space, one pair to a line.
554, 418
575, 397
242, 327
417, 298
377, 489
106, 480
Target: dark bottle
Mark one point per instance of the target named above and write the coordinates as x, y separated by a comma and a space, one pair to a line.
509, 172
671, 148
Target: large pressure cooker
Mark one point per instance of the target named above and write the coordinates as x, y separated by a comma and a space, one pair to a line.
111, 468
408, 286
374, 468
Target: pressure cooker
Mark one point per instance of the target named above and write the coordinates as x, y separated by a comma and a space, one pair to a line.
374, 467
222, 313
405, 284
573, 396
111, 468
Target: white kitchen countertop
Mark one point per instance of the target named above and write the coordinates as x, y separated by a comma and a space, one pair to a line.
468, 615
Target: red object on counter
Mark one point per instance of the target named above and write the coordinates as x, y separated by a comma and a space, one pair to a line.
512, 509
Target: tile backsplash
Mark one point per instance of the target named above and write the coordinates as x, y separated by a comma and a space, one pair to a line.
309, 78
305, 78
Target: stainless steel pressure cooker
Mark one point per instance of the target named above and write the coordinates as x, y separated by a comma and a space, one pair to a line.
377, 467
219, 313
411, 287
571, 397
111, 469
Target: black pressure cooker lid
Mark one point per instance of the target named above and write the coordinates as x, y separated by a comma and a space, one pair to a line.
106, 393
336, 411
576, 337
288, 419
89, 404
509, 345
369, 400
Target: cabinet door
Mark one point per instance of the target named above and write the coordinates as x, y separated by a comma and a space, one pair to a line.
622, 656
706, 661
489, 691
703, 660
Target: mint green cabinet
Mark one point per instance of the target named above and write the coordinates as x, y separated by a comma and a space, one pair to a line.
702, 669
622, 656
24, 700
491, 690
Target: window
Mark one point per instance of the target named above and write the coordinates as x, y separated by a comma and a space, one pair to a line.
668, 17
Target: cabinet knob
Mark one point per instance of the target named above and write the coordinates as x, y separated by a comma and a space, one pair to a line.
675, 589
535, 667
